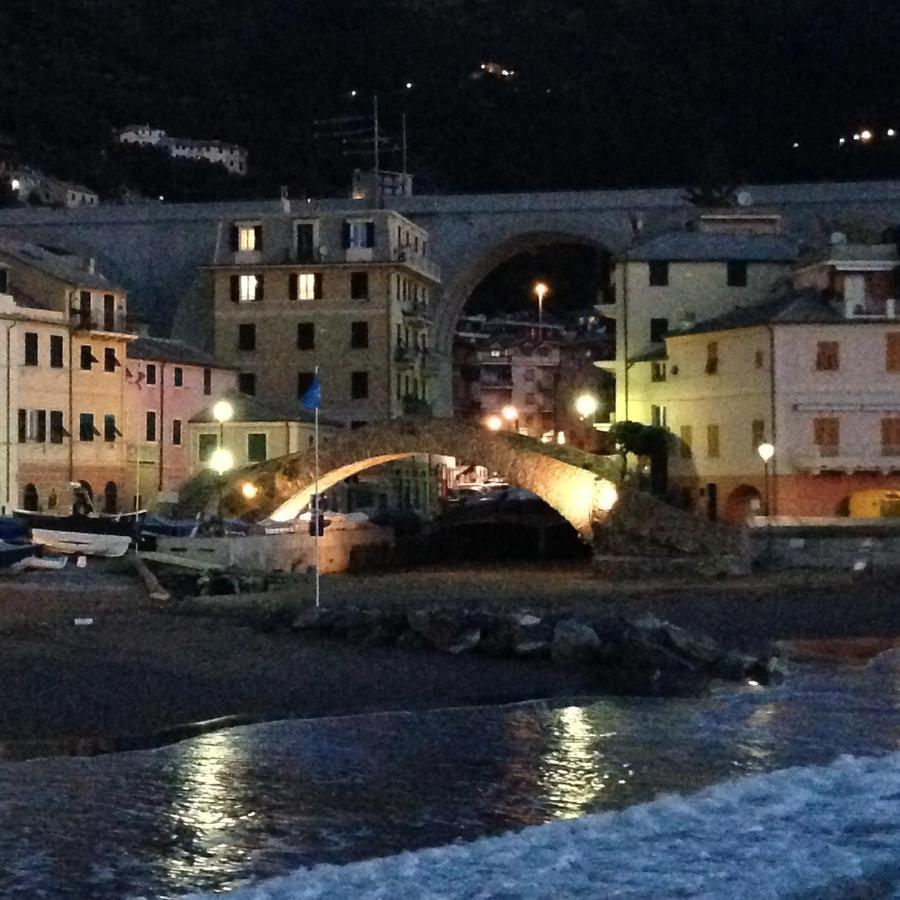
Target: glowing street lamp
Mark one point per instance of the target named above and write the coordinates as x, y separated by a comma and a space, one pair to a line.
586, 405
221, 461
249, 490
606, 495
222, 412
766, 451
541, 290
511, 414
494, 423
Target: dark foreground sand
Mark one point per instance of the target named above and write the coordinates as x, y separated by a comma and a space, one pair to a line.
142, 667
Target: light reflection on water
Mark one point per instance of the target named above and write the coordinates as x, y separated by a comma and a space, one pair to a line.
225, 809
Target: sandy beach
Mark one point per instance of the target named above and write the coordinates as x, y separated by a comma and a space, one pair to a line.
142, 667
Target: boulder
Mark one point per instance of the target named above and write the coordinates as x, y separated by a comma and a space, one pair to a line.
574, 643
445, 629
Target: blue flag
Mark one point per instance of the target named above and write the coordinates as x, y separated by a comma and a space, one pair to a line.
312, 399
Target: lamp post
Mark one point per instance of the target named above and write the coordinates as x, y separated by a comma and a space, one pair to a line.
541, 290
511, 414
222, 412
766, 451
220, 461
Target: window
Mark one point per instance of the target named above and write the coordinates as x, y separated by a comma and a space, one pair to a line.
827, 435
529, 399
359, 234
658, 416
687, 441
109, 428
84, 309
87, 357
658, 329
247, 238
757, 432
150, 429
256, 448
759, 359
359, 385
359, 285
890, 436
827, 356
306, 335
176, 432
57, 431
359, 335
23, 425
178, 376
31, 348
712, 358
659, 273
32, 425
658, 371
247, 383
358, 423
246, 336
4, 281
305, 242
151, 373
86, 428
712, 441
893, 352
207, 382
529, 374
246, 288
305, 286
56, 351
109, 312
110, 363
207, 443
736, 274
304, 382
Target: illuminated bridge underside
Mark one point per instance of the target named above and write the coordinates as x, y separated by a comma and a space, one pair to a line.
567, 480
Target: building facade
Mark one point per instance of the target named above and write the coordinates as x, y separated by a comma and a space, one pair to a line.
346, 294
230, 156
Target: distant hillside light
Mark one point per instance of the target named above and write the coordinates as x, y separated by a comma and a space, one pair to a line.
842, 141
891, 132
15, 184
865, 135
409, 85
856, 136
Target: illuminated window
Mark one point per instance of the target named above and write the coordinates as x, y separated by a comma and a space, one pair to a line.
248, 284
247, 238
306, 286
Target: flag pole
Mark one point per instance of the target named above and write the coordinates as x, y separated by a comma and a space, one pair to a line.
316, 502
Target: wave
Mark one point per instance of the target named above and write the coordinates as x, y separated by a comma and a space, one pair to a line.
824, 832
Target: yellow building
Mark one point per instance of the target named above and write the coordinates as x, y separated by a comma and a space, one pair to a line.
65, 343
348, 293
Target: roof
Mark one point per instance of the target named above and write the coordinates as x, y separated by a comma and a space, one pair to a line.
704, 246
250, 409
805, 307
649, 354
168, 350
56, 261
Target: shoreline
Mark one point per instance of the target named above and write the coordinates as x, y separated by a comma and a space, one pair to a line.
145, 673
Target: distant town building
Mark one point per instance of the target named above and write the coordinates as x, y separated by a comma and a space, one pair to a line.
33, 186
347, 293
231, 156
814, 370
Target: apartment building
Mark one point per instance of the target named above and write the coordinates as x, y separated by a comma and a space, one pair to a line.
65, 343
668, 281
230, 156
167, 383
347, 293
815, 371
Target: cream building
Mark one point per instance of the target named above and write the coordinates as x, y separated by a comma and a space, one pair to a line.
64, 346
815, 371
347, 293
230, 156
668, 281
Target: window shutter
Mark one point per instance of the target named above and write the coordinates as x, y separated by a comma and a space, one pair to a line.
257, 237
23, 425
235, 288
234, 239
370, 234
260, 287
292, 286
346, 235
317, 286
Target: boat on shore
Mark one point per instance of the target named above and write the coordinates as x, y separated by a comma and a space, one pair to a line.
13, 553
92, 535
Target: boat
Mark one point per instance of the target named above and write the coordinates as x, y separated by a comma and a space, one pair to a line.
87, 543
124, 524
13, 553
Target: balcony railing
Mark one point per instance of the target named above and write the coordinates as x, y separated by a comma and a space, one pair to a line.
418, 262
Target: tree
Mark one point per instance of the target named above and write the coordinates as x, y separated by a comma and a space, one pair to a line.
650, 441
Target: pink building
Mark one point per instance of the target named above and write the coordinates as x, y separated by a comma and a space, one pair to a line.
166, 383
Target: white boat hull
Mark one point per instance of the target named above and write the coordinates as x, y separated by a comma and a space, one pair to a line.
109, 545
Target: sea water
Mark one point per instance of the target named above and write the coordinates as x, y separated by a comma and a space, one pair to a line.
567, 794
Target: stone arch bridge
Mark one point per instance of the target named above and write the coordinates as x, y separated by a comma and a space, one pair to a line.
567, 479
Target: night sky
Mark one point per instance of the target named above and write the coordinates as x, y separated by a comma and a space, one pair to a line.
619, 92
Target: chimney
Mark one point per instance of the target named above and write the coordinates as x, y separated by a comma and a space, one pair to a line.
91, 265
285, 200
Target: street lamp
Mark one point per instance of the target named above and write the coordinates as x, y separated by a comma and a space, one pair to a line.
494, 423
249, 490
221, 461
222, 412
766, 451
511, 414
541, 290
586, 405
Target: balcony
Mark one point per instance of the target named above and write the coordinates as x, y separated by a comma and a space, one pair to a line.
417, 262
834, 458
143, 452
871, 308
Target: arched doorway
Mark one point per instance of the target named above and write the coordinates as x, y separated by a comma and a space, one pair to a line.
110, 498
30, 498
743, 502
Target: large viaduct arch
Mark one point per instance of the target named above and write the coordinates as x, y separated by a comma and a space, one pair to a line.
565, 478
